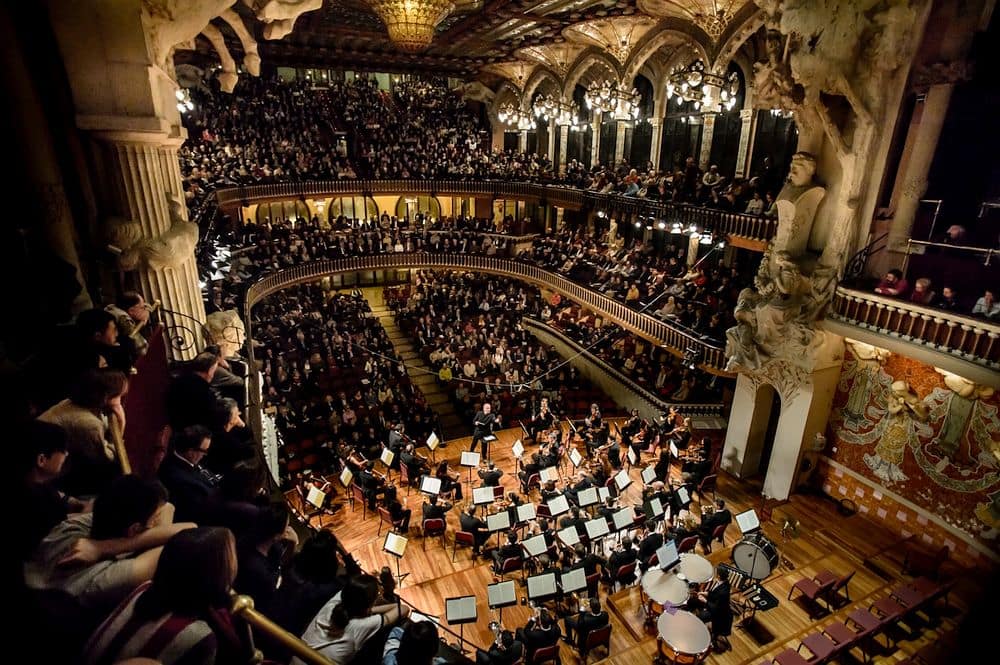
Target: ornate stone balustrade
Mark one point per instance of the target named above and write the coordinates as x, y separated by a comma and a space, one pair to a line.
973, 340
644, 325
751, 227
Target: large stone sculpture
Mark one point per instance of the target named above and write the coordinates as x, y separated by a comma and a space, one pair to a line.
167, 250
775, 318
226, 330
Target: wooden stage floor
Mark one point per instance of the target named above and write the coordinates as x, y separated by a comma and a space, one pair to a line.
825, 539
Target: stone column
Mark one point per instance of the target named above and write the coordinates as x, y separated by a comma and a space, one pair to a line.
748, 125
142, 181
707, 131
563, 144
654, 145
595, 143
551, 154
496, 138
692, 251
522, 141
921, 144
620, 128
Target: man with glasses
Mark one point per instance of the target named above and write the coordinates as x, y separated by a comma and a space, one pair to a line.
194, 490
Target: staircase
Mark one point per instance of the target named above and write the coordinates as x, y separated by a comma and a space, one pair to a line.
422, 375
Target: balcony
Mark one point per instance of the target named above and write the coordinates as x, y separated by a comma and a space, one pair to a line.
961, 344
754, 231
646, 326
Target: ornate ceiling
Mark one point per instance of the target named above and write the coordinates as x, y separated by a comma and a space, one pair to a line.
496, 40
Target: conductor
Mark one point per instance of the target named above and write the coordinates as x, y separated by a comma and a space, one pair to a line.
483, 425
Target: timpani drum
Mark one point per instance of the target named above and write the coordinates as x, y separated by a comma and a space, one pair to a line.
696, 569
756, 555
683, 637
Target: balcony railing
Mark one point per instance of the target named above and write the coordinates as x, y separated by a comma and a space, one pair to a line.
721, 222
644, 325
973, 340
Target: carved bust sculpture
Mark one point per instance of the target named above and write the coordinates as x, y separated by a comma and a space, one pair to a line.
797, 204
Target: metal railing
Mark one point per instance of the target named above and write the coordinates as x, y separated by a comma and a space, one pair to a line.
721, 222
243, 607
970, 339
644, 325
651, 399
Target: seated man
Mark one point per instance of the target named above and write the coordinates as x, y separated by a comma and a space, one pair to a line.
477, 527
82, 555
585, 622
433, 509
508, 551
623, 555
490, 475
540, 631
506, 650
718, 517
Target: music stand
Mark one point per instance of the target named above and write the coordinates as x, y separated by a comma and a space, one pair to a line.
517, 449
648, 475
498, 522
573, 580
558, 505
623, 519
526, 512
395, 545
346, 476
569, 536
535, 546
432, 443
386, 458
460, 611
587, 497
430, 485
501, 595
541, 586
471, 460
482, 496
748, 523
622, 480
549, 473
576, 458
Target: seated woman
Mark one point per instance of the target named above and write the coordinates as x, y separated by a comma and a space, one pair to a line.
349, 620
449, 480
181, 616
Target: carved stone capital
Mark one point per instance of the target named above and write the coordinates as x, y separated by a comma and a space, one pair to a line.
940, 73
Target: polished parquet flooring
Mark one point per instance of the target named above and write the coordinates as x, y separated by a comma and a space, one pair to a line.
824, 540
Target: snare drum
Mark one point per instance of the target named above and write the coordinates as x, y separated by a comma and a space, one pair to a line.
756, 555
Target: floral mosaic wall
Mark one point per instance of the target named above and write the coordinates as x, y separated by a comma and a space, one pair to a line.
927, 435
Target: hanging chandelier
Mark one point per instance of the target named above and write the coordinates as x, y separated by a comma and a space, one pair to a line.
610, 97
411, 23
711, 92
514, 117
551, 108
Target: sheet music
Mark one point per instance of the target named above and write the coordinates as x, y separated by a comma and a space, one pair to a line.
632, 458
433, 441
587, 497
501, 594
346, 476
573, 580
387, 456
748, 521
673, 450
575, 457
648, 475
498, 521
316, 497
667, 555
568, 536
430, 485
461, 610
603, 493
549, 473
540, 586
490, 438
683, 496
482, 495
558, 506
656, 506
525, 512
469, 459
395, 544
597, 528
518, 449
535, 545
622, 480
623, 518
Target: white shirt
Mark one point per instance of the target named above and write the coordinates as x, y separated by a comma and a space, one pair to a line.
344, 648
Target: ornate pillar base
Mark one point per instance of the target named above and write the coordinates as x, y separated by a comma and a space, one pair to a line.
803, 401
620, 130
707, 132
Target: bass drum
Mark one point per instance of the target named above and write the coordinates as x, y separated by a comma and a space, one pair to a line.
756, 555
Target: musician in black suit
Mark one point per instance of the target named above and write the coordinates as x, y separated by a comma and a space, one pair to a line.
713, 607
542, 420
477, 527
508, 551
370, 486
650, 542
483, 425
585, 622
433, 510
718, 517
623, 555
490, 475
539, 632
574, 519
504, 651
589, 560
415, 467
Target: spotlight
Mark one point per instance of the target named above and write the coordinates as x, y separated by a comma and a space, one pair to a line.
638, 225
661, 225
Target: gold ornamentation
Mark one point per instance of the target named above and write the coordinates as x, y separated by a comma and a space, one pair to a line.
412, 23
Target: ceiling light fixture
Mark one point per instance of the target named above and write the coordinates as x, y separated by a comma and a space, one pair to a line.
412, 23
612, 98
711, 92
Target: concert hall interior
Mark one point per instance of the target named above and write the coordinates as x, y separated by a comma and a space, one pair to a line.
411, 332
